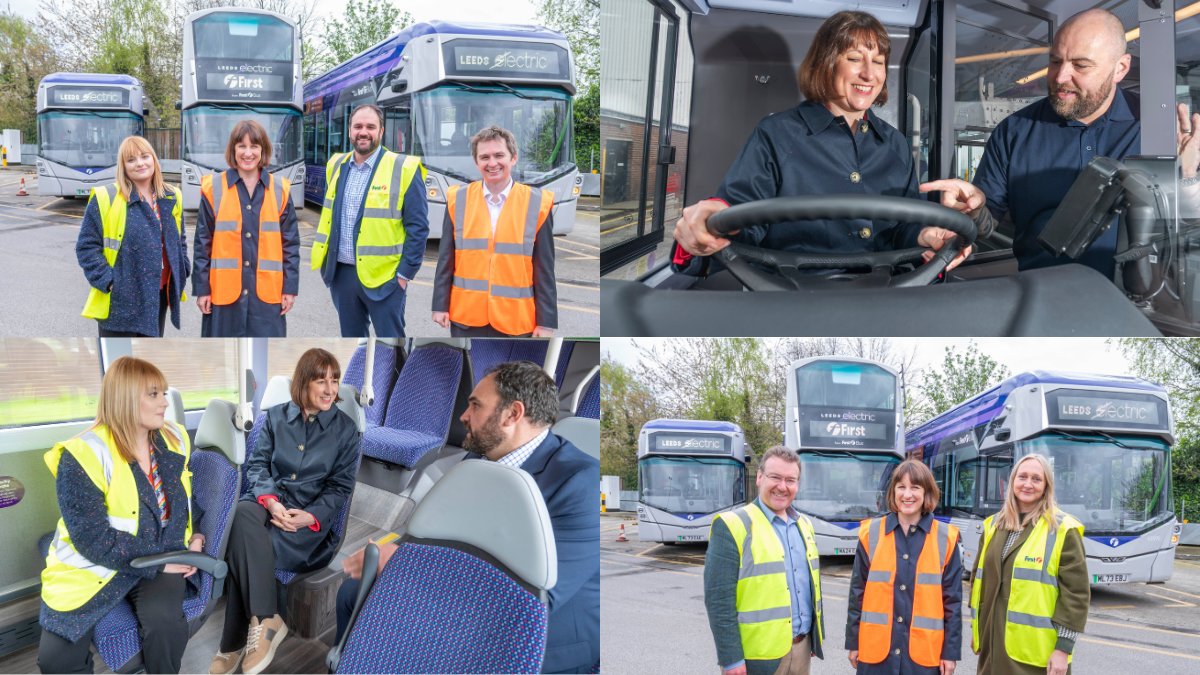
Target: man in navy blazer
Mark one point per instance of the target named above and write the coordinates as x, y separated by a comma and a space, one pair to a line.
508, 421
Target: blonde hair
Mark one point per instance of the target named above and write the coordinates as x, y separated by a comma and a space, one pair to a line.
1009, 517
135, 146
125, 382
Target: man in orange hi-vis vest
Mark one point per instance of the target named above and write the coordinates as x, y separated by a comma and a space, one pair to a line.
495, 273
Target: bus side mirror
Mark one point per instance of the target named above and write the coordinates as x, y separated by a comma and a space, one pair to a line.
400, 86
179, 105
1003, 434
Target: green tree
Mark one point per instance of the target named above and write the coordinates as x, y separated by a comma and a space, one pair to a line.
963, 374
579, 21
25, 58
1175, 364
587, 128
367, 22
625, 405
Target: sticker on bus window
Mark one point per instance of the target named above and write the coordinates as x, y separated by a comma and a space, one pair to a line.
11, 491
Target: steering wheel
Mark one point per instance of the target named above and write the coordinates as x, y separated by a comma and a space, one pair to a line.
786, 265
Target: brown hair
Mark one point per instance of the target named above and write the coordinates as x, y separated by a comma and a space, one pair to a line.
780, 451
125, 382
258, 136
313, 365
841, 32
494, 133
918, 474
373, 108
135, 146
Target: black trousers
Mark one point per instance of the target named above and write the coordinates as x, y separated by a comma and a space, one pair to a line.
158, 605
250, 587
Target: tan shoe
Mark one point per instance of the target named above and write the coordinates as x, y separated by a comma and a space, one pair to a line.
262, 640
225, 663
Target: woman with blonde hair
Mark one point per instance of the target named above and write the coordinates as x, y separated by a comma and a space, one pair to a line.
247, 253
125, 492
905, 606
132, 247
1030, 593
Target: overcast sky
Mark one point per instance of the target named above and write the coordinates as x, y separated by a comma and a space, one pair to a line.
1084, 355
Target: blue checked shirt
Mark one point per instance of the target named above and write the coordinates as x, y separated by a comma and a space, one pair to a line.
358, 179
517, 457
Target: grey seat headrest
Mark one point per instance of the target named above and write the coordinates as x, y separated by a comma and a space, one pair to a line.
583, 432
349, 405
218, 431
497, 509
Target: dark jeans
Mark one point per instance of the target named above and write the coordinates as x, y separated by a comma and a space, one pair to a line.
250, 587
158, 605
163, 305
356, 310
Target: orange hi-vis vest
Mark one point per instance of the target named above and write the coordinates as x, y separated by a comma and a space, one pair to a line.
926, 631
493, 275
225, 263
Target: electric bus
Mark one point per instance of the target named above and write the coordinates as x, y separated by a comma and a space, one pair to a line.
82, 119
238, 64
685, 82
439, 83
845, 417
402, 394
688, 472
1108, 439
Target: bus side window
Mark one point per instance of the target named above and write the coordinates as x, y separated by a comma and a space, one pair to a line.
398, 121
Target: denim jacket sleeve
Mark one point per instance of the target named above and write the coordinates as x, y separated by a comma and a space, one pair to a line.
89, 249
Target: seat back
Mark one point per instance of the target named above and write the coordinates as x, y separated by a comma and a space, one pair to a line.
388, 362
464, 592
487, 353
583, 432
589, 402
278, 392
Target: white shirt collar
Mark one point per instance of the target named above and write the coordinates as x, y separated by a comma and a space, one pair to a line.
503, 193
517, 457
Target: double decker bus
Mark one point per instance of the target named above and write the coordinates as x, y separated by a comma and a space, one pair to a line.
845, 416
1108, 439
439, 83
82, 119
688, 471
240, 64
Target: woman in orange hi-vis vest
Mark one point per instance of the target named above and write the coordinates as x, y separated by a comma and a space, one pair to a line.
495, 272
247, 253
905, 613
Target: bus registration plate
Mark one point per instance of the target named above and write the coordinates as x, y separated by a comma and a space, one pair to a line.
845, 551
82, 192
689, 537
1110, 578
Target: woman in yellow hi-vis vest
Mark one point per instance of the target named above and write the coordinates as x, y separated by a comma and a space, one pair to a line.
247, 269
124, 490
133, 249
1030, 593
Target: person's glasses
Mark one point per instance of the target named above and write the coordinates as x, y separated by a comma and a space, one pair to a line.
786, 480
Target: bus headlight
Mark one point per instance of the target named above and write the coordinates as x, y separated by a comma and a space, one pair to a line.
42, 170
1174, 539
575, 191
433, 190
190, 176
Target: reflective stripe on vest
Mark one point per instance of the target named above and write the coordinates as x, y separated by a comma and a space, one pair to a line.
1029, 633
70, 579
926, 625
113, 208
381, 233
225, 266
764, 623
493, 271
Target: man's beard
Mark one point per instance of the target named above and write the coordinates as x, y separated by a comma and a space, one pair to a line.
486, 437
1082, 105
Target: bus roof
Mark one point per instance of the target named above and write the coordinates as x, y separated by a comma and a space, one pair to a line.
89, 78
379, 59
692, 425
982, 406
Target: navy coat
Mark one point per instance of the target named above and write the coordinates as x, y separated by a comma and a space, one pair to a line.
568, 479
309, 466
134, 279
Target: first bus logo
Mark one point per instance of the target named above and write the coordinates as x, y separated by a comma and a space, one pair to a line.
242, 82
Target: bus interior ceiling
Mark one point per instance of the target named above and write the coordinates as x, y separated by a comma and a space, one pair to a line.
384, 497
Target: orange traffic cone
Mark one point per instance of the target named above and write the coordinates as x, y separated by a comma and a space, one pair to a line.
21, 192
621, 534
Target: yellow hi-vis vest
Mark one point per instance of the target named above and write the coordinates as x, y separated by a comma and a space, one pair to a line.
764, 599
381, 235
1029, 635
70, 579
113, 207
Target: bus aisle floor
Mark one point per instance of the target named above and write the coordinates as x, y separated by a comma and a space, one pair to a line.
653, 595
39, 233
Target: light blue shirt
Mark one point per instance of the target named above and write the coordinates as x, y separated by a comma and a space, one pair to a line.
795, 559
358, 179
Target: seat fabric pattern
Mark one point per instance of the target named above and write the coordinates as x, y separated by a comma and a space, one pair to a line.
440, 610
383, 377
589, 405
420, 408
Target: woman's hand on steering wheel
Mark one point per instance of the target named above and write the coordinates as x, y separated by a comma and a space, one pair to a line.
934, 238
691, 231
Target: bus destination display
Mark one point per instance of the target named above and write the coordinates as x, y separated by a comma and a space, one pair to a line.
463, 58
1107, 410
89, 97
689, 443
242, 81
846, 428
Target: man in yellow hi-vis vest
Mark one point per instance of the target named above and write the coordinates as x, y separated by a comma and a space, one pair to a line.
371, 236
762, 578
